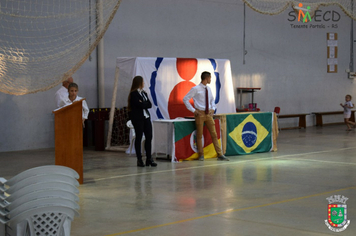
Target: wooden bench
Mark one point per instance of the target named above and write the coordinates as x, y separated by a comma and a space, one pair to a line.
319, 117
302, 120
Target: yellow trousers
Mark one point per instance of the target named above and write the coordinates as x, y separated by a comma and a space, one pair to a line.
200, 119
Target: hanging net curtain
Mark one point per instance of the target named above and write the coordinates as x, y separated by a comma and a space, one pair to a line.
43, 42
273, 7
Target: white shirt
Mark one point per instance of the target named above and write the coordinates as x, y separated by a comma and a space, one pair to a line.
67, 102
145, 99
346, 109
198, 95
60, 95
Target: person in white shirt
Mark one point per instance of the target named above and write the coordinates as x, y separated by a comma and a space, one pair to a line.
204, 108
347, 112
72, 97
62, 93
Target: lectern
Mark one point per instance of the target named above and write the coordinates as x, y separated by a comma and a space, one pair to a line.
68, 131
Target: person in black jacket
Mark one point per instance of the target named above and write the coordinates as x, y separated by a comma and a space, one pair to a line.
138, 105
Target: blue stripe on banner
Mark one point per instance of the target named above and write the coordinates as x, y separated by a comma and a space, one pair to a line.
153, 86
218, 87
158, 62
213, 63
159, 114
217, 83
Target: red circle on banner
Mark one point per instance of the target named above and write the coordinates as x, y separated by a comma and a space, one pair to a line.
187, 67
176, 107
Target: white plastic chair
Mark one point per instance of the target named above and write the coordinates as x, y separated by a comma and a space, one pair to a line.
133, 137
41, 202
22, 190
2, 229
41, 170
37, 195
41, 179
40, 186
51, 195
48, 220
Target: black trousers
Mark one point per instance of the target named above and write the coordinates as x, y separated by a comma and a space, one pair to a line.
143, 127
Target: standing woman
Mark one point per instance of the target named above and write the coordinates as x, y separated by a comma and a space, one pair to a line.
138, 105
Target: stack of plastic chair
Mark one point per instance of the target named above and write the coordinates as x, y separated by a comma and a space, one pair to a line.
39, 201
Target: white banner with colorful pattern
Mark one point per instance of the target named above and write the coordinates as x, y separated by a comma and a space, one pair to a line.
168, 80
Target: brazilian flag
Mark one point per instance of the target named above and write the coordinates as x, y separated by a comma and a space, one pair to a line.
249, 133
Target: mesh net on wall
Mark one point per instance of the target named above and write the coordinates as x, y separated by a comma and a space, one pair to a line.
120, 132
97, 125
273, 7
43, 42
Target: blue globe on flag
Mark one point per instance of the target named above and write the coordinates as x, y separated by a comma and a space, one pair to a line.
249, 134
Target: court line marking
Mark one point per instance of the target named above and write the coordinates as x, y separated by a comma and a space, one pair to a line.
322, 161
229, 163
232, 210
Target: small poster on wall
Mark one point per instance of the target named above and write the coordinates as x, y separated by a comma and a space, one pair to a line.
332, 52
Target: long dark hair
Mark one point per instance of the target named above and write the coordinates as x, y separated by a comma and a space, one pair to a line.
137, 82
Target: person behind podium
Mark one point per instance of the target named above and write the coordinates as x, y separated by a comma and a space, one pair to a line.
62, 93
72, 97
204, 108
138, 105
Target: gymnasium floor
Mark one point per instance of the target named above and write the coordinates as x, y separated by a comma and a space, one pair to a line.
277, 193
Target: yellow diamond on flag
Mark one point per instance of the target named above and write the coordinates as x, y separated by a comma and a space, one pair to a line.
249, 134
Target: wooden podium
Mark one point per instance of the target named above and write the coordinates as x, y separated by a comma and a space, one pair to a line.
68, 130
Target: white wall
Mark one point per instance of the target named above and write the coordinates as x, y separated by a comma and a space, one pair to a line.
289, 64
